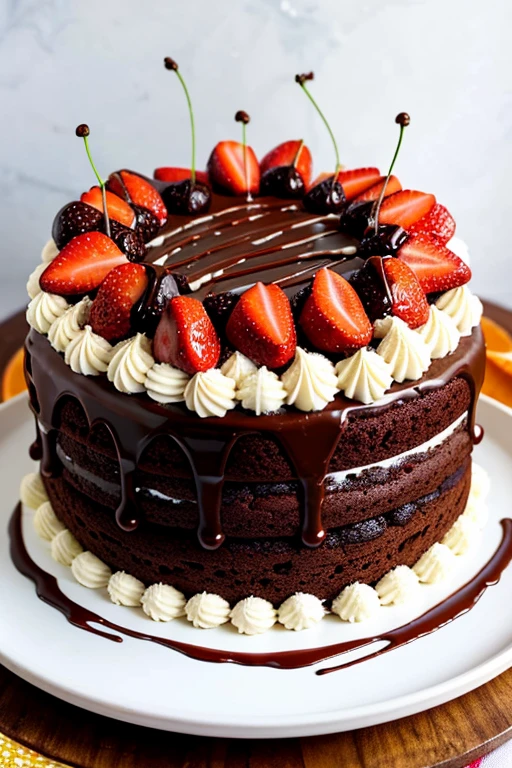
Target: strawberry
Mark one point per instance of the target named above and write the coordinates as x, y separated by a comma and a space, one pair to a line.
227, 171
438, 223
358, 180
408, 301
178, 174
117, 208
185, 336
436, 267
374, 191
285, 154
135, 189
261, 326
405, 208
333, 317
82, 265
117, 295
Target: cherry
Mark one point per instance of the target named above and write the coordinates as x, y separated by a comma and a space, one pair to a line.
328, 196
187, 197
83, 132
284, 180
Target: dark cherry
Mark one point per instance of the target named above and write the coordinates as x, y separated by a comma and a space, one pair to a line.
356, 219
146, 223
298, 300
163, 288
129, 241
74, 219
371, 286
219, 308
187, 198
385, 242
325, 197
282, 181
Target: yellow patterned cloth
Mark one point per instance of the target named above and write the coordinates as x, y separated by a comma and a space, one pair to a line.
13, 755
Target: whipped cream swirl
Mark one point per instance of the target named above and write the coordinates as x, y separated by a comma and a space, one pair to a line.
238, 367
90, 571
130, 362
398, 586
49, 252
435, 565
88, 353
310, 382
46, 522
166, 384
402, 348
462, 535
68, 326
32, 490
43, 311
439, 333
463, 307
65, 547
33, 287
125, 589
356, 602
261, 392
364, 376
210, 393
207, 611
161, 602
300, 611
253, 616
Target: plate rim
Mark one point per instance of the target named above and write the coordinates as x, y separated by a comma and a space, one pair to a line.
264, 726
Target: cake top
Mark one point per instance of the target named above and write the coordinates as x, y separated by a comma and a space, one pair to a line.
250, 282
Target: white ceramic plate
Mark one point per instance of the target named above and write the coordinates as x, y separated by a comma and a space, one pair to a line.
151, 685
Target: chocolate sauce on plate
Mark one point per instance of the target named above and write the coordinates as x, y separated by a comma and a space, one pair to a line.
456, 605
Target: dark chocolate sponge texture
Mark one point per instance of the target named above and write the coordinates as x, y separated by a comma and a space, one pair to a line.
270, 568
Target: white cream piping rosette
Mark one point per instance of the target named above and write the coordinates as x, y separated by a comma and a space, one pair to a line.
254, 615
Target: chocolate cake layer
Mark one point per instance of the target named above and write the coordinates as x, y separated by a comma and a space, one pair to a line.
271, 568
266, 510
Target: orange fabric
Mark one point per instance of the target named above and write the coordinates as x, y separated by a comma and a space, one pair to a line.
498, 373
497, 384
14, 380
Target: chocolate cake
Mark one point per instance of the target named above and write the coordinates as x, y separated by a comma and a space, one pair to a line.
245, 394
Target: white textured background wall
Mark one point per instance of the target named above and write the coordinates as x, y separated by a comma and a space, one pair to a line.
447, 62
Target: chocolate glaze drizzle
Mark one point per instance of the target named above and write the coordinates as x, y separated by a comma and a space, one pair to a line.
235, 245
456, 605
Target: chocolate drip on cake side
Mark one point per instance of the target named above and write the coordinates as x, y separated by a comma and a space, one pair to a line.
448, 610
134, 421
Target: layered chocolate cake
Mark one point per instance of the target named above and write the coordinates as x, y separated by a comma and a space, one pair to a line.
248, 384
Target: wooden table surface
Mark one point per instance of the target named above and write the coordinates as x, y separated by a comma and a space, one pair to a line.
449, 736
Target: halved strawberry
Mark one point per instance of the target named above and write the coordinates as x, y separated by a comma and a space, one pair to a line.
135, 189
226, 168
117, 295
374, 191
82, 265
408, 301
406, 207
436, 267
185, 336
261, 326
333, 317
356, 181
118, 209
285, 154
438, 223
166, 173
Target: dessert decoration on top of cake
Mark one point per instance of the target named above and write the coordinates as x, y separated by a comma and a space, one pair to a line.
340, 284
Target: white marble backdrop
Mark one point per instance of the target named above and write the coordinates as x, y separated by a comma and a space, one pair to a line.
447, 62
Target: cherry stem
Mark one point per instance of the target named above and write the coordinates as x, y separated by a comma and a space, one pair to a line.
246, 172
192, 124
331, 134
102, 186
384, 186
297, 155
